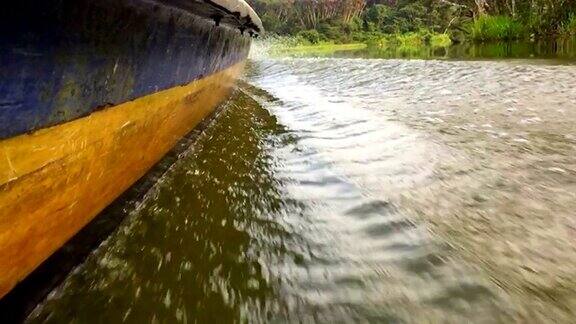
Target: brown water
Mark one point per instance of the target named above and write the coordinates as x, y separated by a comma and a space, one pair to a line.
365, 190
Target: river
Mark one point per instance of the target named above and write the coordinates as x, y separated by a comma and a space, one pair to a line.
349, 188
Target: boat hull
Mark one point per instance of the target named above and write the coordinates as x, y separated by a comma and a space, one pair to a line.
87, 111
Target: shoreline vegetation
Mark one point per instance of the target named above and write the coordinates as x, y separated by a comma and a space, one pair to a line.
334, 25
319, 47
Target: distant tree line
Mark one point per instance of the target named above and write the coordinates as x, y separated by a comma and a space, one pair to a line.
344, 20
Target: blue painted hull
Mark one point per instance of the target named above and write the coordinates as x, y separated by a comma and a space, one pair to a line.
63, 59
93, 93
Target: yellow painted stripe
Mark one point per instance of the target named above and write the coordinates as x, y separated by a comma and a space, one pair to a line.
55, 181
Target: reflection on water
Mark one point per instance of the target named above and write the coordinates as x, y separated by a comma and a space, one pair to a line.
192, 250
356, 190
563, 49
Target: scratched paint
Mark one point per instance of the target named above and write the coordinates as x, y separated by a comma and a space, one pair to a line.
64, 59
92, 95
59, 178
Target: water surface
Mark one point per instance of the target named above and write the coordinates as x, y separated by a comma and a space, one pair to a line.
368, 190
549, 51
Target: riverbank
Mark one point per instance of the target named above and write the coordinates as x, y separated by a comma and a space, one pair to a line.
346, 21
310, 43
416, 47
323, 47
429, 45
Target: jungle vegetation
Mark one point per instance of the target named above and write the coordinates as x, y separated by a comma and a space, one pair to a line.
438, 22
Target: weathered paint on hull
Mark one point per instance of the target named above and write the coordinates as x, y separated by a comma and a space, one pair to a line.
64, 59
54, 181
92, 94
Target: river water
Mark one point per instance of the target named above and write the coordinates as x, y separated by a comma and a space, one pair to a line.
335, 189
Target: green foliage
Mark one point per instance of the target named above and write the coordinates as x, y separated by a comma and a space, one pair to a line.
378, 17
326, 48
435, 22
491, 28
331, 30
312, 36
410, 18
440, 40
272, 22
568, 27
399, 19
411, 39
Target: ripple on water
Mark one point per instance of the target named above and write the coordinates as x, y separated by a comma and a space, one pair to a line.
313, 198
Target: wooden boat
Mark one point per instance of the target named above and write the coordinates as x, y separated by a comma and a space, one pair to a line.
92, 94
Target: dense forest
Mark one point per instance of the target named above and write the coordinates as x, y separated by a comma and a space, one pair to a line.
344, 21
